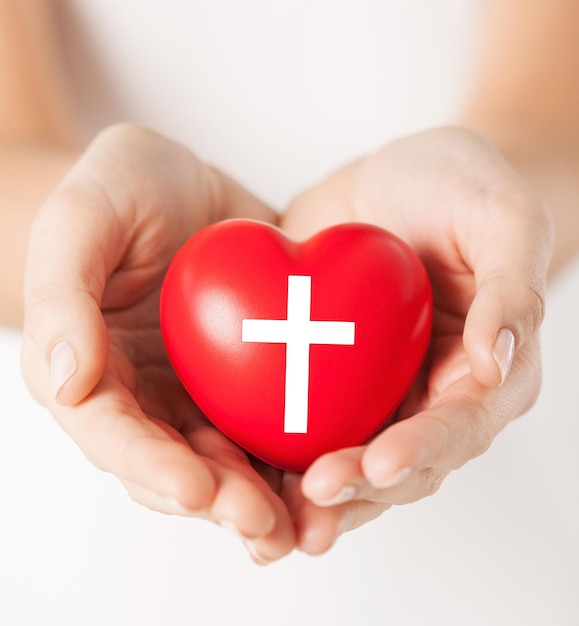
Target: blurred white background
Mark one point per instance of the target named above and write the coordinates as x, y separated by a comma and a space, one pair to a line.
279, 94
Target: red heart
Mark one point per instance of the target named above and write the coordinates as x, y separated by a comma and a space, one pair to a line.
350, 310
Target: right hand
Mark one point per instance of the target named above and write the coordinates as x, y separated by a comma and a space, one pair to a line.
486, 244
92, 349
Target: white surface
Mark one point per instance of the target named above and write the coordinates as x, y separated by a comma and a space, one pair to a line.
279, 93
497, 545
276, 93
298, 332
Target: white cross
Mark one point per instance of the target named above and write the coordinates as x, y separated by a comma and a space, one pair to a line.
298, 332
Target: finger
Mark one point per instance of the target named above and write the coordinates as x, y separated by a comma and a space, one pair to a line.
361, 512
318, 528
65, 344
335, 478
460, 426
446, 435
81, 236
153, 501
101, 216
510, 265
162, 472
244, 502
257, 546
115, 435
240, 504
279, 542
338, 478
253, 513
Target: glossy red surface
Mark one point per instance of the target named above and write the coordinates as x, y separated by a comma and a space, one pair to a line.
239, 269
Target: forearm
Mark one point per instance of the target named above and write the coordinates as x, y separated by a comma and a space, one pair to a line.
29, 173
39, 132
525, 100
528, 71
37, 101
551, 168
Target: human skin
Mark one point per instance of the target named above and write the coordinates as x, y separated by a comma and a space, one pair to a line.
40, 140
486, 244
40, 134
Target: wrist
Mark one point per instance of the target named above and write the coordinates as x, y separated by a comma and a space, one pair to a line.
547, 158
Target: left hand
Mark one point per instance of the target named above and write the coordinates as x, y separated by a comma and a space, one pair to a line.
92, 350
486, 244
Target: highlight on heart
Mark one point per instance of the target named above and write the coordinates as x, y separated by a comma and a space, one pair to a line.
296, 349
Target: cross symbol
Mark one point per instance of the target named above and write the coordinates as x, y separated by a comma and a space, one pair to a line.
298, 332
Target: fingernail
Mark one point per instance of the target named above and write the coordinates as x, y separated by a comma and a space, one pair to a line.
177, 508
395, 479
231, 527
504, 351
63, 365
345, 494
256, 557
250, 544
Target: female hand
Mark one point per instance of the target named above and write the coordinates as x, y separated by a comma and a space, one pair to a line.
92, 349
486, 244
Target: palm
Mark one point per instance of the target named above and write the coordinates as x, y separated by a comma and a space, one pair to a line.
130, 203
139, 362
446, 360
445, 193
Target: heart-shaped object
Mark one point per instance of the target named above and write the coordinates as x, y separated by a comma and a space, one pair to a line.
296, 349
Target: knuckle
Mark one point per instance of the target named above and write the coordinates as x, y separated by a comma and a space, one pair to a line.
527, 305
39, 318
362, 513
530, 304
128, 141
52, 311
486, 434
527, 383
481, 429
431, 481
471, 435
536, 297
428, 481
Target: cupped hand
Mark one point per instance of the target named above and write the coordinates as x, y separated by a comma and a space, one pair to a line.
92, 350
486, 244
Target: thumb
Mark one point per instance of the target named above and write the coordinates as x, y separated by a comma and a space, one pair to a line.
65, 343
510, 266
